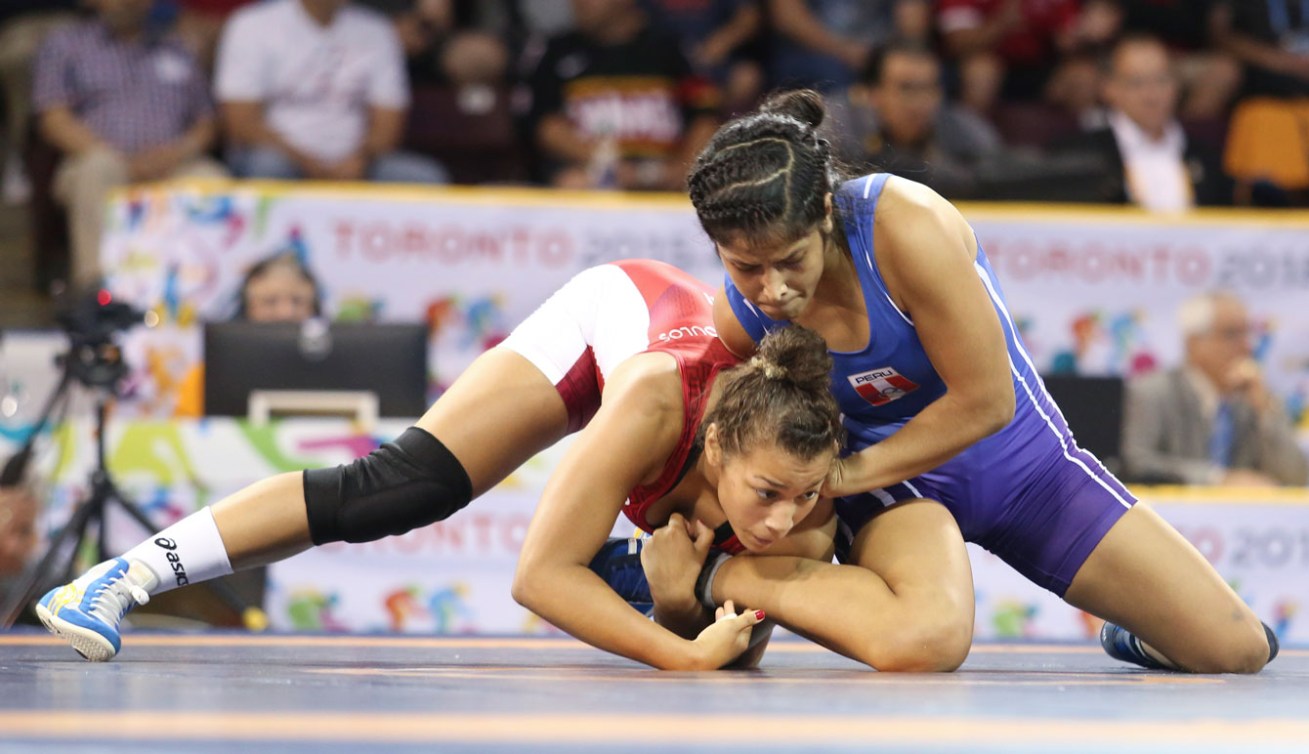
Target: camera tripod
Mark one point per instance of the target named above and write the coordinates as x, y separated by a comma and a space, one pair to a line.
87, 365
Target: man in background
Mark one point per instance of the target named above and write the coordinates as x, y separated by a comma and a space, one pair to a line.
1211, 420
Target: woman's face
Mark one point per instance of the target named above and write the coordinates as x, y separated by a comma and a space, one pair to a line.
280, 294
779, 279
766, 491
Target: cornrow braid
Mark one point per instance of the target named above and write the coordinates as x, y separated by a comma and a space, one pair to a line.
765, 174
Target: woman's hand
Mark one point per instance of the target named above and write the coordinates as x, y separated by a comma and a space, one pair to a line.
726, 638
672, 560
841, 479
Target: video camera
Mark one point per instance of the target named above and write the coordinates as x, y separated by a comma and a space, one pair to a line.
91, 320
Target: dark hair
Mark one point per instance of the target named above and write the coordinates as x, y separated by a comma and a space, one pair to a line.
1107, 59
910, 48
280, 259
764, 175
781, 395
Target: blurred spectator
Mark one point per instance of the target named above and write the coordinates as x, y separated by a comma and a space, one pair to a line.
896, 120
451, 42
616, 105
1268, 140
18, 535
23, 25
1149, 159
1209, 77
1026, 49
316, 89
720, 38
279, 288
1211, 420
123, 102
825, 44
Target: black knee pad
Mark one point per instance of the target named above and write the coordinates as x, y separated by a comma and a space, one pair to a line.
406, 484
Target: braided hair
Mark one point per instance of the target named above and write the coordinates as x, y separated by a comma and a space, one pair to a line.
764, 176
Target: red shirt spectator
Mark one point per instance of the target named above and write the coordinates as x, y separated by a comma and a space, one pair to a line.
1030, 27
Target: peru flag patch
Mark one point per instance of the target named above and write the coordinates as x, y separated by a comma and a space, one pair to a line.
882, 385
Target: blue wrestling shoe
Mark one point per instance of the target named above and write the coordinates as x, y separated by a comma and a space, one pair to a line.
1273, 645
619, 564
1121, 644
86, 613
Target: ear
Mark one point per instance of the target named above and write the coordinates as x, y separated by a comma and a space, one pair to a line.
713, 447
827, 223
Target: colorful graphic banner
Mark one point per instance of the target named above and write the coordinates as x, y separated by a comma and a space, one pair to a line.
1095, 291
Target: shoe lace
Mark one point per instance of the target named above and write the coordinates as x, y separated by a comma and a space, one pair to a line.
115, 597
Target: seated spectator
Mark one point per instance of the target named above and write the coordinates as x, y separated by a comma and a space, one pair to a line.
825, 44
123, 102
316, 89
446, 43
896, 120
277, 289
1268, 143
719, 38
1148, 158
615, 104
1209, 77
1212, 420
1025, 50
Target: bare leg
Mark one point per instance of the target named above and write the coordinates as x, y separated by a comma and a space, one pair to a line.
1145, 577
498, 414
907, 605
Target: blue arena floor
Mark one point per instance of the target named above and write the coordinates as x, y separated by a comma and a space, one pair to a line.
287, 693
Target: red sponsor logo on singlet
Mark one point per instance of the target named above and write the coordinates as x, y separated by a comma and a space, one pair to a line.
882, 385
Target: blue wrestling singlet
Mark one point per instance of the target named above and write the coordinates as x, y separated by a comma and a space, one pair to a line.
1026, 493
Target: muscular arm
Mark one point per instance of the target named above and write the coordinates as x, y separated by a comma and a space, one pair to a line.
925, 250
625, 444
675, 556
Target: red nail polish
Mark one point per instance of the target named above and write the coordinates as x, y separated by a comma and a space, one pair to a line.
759, 614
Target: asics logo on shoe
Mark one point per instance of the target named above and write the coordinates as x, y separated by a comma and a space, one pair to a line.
179, 570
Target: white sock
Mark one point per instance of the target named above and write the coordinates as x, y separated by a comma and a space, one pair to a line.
188, 552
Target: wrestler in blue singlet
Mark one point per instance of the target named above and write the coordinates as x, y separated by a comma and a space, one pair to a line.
1027, 493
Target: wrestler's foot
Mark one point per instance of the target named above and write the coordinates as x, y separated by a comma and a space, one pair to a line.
86, 613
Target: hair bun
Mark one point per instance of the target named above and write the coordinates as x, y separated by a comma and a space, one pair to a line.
771, 369
805, 105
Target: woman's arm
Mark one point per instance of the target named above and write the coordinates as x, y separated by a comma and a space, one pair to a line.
626, 443
675, 555
926, 253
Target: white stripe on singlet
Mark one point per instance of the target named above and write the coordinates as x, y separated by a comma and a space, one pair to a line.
1027, 389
